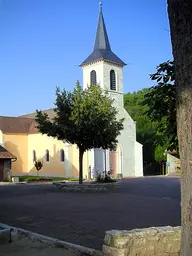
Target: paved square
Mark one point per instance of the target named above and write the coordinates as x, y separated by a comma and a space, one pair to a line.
83, 218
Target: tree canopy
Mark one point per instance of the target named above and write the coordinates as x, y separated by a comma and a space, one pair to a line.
86, 118
161, 100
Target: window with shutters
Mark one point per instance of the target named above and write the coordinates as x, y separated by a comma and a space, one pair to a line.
93, 77
112, 80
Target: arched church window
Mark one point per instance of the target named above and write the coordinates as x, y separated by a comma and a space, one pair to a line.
112, 80
62, 155
93, 77
34, 156
46, 155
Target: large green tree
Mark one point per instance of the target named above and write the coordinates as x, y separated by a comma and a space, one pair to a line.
180, 19
86, 118
161, 101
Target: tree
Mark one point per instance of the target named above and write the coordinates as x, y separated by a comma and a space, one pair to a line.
86, 118
161, 100
180, 19
38, 165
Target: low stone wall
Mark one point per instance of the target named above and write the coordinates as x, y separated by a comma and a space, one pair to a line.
159, 241
85, 187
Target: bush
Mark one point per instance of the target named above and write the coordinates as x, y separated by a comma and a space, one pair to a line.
104, 178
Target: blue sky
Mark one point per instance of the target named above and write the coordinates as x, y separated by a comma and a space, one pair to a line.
42, 42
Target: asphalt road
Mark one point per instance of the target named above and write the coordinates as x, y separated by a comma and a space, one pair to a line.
83, 218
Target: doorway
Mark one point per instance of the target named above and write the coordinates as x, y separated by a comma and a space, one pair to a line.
1, 170
116, 161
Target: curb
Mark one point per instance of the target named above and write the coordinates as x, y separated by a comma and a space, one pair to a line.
4, 236
14, 233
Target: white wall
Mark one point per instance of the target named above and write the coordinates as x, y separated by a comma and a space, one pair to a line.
99, 159
98, 67
138, 159
174, 161
127, 142
103, 79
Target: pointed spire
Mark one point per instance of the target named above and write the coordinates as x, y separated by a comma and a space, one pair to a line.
101, 40
102, 49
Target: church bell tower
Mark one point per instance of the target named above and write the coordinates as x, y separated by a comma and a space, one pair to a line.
102, 66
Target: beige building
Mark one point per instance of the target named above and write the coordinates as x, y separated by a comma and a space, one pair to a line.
20, 137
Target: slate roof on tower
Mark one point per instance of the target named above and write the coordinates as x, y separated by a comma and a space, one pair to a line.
102, 49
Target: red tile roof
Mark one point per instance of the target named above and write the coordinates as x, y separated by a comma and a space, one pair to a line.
5, 154
17, 125
50, 113
22, 124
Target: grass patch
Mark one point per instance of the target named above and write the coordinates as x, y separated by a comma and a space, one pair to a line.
29, 178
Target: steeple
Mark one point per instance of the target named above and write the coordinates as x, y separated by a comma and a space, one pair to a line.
102, 49
101, 40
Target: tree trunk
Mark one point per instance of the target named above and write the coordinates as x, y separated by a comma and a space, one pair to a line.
81, 152
180, 18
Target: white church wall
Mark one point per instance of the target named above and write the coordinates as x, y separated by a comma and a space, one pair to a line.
138, 159
118, 94
98, 67
127, 142
99, 160
107, 67
103, 79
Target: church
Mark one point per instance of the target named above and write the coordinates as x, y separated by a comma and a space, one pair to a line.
19, 136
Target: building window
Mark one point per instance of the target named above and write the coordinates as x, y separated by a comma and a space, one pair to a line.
62, 155
93, 77
46, 155
112, 80
34, 156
